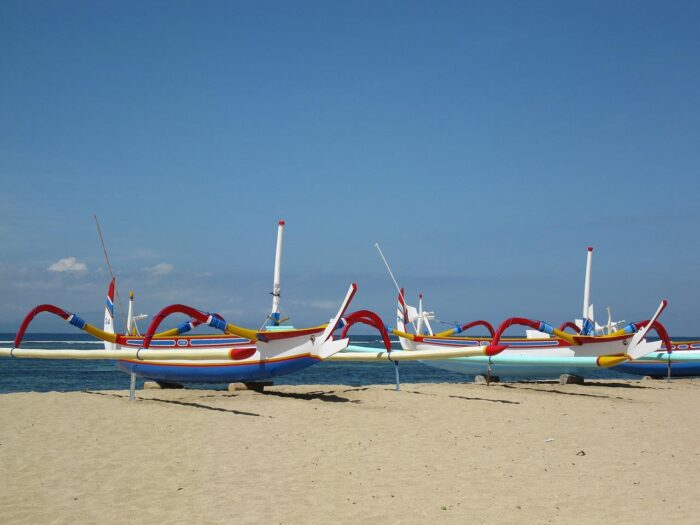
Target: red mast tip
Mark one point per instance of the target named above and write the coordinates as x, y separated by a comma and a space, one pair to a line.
590, 248
281, 223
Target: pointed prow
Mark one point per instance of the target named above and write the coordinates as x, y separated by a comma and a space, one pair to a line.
325, 346
636, 348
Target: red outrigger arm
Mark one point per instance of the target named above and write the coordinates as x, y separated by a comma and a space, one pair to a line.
464, 327
370, 319
218, 322
569, 324
660, 330
93, 330
537, 325
195, 314
213, 320
71, 318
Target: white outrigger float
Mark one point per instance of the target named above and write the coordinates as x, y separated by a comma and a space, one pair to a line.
236, 355
544, 352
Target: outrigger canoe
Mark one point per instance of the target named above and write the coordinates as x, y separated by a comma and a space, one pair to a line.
236, 355
545, 352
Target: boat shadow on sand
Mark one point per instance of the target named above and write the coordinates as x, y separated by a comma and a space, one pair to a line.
329, 397
533, 386
506, 401
598, 384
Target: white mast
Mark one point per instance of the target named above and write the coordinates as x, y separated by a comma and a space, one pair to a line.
130, 316
420, 314
276, 282
587, 286
131, 326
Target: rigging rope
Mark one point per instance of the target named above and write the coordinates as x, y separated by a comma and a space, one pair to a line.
111, 273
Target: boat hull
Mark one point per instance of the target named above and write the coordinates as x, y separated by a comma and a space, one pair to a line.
685, 359
518, 367
526, 357
641, 368
685, 363
215, 373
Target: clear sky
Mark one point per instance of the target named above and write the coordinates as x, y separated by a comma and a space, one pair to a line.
484, 145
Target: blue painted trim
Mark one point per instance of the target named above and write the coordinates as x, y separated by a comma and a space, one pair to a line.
518, 344
210, 342
163, 342
544, 327
184, 328
217, 323
450, 342
527, 344
77, 321
630, 328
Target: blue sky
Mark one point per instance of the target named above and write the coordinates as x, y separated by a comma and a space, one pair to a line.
483, 144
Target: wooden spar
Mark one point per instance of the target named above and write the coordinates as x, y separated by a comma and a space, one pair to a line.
475, 354
198, 354
410, 355
577, 362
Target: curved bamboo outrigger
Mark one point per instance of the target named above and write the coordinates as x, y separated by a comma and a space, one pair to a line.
555, 352
237, 354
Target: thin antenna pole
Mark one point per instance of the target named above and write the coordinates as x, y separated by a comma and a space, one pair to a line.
109, 266
381, 254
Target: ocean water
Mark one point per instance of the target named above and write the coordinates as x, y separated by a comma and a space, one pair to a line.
45, 375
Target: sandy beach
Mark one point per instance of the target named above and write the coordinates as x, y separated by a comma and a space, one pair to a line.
614, 452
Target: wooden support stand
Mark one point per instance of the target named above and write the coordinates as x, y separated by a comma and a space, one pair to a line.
256, 386
570, 379
161, 385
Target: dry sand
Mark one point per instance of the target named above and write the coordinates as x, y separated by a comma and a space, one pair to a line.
614, 452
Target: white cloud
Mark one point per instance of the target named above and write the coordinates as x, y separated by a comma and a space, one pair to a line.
69, 264
159, 269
